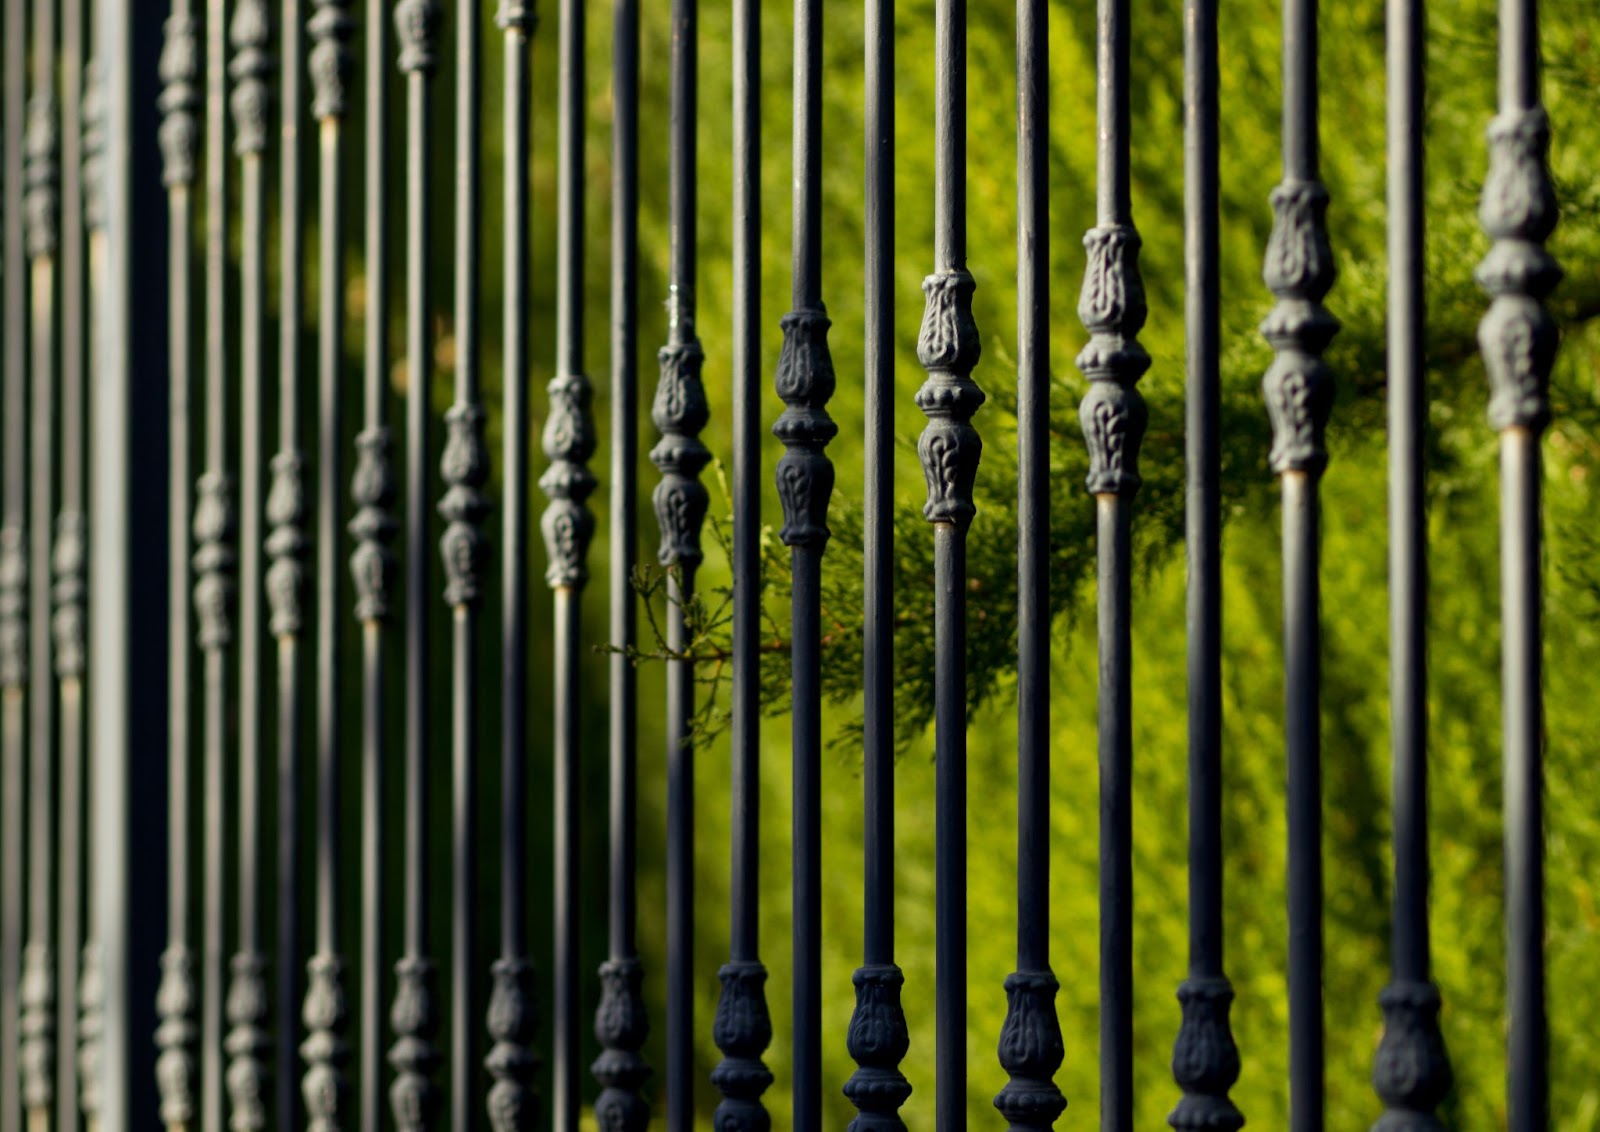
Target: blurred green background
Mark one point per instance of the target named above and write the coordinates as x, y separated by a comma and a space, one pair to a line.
1464, 672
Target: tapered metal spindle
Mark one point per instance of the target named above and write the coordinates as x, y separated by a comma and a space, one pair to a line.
1205, 1060
743, 1027
91, 983
511, 1060
324, 1013
13, 571
878, 1039
177, 998
372, 565
286, 549
680, 499
620, 1022
1518, 338
69, 563
248, 1041
568, 527
1030, 1042
41, 204
1412, 1070
1298, 389
949, 449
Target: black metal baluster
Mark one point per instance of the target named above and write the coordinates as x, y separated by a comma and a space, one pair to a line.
1298, 389
511, 1060
743, 1027
41, 204
248, 1041
91, 982
1205, 1060
324, 1014
176, 1000
949, 449
568, 527
372, 565
1030, 1042
620, 1021
1519, 340
680, 499
286, 548
878, 1039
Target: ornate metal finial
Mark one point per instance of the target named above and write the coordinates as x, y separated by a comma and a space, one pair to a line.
680, 412
41, 144
878, 1042
1517, 335
949, 446
248, 1043
213, 560
68, 561
413, 1097
805, 383
37, 1000
1299, 270
372, 563
1205, 1061
511, 1060
567, 524
1031, 1051
464, 467
416, 25
180, 98
742, 1031
330, 26
286, 543
324, 1049
516, 15
93, 110
13, 609
176, 1001
1112, 309
621, 1026
250, 68
91, 1029
1412, 1070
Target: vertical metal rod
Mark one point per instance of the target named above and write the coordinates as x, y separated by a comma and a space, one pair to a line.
286, 547
877, 1037
1298, 389
68, 564
324, 1013
743, 1027
38, 991
1519, 340
248, 1041
620, 1022
1030, 1043
177, 998
1411, 1072
949, 449
568, 528
1205, 1060
372, 565
511, 1060
679, 413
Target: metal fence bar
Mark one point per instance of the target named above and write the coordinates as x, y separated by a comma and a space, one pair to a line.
620, 1022
1519, 340
1205, 1059
324, 1014
680, 499
511, 1023
877, 1038
248, 1040
1298, 389
743, 1026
